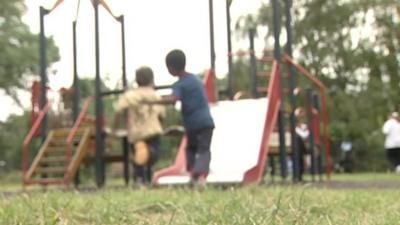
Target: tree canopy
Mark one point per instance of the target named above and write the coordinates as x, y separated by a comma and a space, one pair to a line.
19, 48
353, 46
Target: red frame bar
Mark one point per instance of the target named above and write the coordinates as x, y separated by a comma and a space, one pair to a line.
325, 116
209, 86
35, 102
25, 146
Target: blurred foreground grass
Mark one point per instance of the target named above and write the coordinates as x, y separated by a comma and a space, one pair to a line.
283, 204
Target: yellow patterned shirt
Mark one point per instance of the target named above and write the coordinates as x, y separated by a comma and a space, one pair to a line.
144, 120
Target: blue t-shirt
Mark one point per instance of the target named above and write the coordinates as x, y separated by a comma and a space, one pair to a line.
195, 110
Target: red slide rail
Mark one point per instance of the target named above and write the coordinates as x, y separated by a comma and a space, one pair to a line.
179, 166
74, 130
325, 116
209, 86
255, 174
28, 139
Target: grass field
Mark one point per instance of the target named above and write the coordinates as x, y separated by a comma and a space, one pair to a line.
264, 204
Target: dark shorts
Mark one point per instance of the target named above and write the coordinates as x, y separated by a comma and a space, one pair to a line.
144, 173
198, 155
393, 155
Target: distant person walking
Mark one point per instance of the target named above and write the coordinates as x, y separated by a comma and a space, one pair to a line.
391, 129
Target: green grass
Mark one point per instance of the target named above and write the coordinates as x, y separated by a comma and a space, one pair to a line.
360, 177
291, 204
250, 205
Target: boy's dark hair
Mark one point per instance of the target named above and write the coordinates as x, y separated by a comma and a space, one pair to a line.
144, 76
176, 59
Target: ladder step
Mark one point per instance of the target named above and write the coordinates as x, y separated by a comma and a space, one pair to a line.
56, 148
48, 170
55, 151
57, 143
61, 138
61, 132
53, 159
61, 143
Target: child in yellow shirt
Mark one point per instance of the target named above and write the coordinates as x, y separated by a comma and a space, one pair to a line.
144, 121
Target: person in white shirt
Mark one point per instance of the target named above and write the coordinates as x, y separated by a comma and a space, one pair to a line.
302, 133
391, 129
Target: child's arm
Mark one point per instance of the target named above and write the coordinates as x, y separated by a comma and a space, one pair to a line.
128, 99
165, 100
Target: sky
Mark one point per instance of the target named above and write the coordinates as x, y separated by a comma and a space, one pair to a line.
152, 28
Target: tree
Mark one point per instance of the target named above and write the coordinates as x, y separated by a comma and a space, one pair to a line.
353, 47
11, 139
19, 48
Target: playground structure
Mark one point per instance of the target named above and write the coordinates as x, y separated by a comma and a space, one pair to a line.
252, 141
62, 150
239, 150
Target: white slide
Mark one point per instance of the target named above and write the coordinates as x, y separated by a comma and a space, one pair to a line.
236, 142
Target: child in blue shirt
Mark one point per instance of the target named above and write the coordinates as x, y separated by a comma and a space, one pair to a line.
196, 115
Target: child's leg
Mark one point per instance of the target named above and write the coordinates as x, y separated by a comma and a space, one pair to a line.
138, 173
302, 152
396, 155
154, 144
137, 170
392, 155
191, 149
203, 154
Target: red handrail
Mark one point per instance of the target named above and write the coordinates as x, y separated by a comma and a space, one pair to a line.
35, 102
254, 175
74, 130
29, 136
179, 164
322, 90
209, 85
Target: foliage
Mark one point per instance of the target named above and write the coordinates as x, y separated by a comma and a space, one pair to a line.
352, 46
11, 137
19, 48
240, 73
